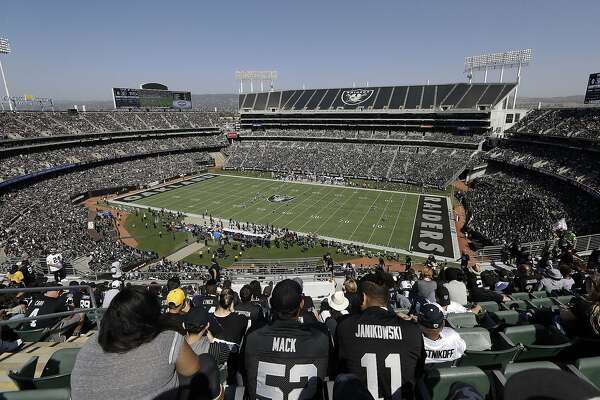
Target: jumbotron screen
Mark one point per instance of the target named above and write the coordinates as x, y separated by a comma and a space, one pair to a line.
592, 94
151, 98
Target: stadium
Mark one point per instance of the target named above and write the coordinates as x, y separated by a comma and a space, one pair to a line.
401, 241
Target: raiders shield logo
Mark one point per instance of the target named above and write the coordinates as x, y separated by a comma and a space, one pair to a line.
356, 96
279, 198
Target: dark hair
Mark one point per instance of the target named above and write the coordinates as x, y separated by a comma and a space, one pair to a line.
454, 274
132, 319
173, 283
226, 284
226, 298
246, 293
256, 289
211, 286
376, 285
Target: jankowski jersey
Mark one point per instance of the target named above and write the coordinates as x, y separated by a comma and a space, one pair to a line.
286, 359
383, 350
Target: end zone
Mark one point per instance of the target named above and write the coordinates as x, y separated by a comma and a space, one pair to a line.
433, 229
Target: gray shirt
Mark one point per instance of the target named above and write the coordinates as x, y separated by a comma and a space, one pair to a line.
142, 373
457, 291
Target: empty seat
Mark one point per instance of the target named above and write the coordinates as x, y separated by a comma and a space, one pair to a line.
507, 317
40, 394
515, 368
538, 341
489, 306
437, 382
461, 320
477, 339
56, 373
484, 352
520, 296
543, 302
566, 300
32, 335
589, 369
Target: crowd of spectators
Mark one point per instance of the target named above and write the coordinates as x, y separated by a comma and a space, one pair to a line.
42, 216
580, 123
23, 164
526, 206
34, 123
427, 166
361, 134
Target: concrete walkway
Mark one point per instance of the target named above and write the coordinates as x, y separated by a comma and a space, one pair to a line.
186, 251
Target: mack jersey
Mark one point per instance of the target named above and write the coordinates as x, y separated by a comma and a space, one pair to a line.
383, 350
286, 360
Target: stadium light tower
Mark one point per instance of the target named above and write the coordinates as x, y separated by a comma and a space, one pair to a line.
5, 49
260, 76
508, 59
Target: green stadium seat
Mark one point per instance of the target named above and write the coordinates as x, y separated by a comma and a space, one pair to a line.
489, 306
40, 394
515, 368
437, 382
519, 304
32, 335
538, 341
520, 296
564, 300
56, 373
461, 320
541, 303
588, 369
506, 317
539, 294
485, 351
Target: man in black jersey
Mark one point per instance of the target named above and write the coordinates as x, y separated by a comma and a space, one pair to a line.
209, 299
384, 351
286, 359
253, 311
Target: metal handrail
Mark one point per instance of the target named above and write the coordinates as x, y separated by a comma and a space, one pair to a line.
94, 308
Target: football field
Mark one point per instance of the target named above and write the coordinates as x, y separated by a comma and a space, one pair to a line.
377, 218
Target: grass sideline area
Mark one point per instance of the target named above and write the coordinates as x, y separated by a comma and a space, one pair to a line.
149, 239
383, 218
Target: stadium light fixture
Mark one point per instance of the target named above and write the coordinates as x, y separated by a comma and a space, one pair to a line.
251, 76
507, 59
5, 49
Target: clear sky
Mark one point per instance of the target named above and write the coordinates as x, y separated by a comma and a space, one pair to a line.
78, 50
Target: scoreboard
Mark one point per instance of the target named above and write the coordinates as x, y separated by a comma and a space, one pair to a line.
151, 98
592, 94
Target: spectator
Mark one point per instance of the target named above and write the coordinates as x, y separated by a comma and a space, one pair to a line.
110, 294
552, 282
249, 309
425, 287
174, 316
284, 344
350, 289
333, 308
442, 344
448, 306
130, 339
455, 285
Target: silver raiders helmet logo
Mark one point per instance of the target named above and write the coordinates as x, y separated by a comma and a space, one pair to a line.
280, 198
356, 96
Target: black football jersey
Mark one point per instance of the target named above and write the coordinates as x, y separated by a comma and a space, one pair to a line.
383, 350
252, 311
43, 305
207, 301
286, 360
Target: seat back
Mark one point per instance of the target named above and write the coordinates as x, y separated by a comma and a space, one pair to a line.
520, 296
539, 294
524, 334
61, 362
544, 302
566, 300
438, 381
540, 342
477, 339
461, 320
590, 368
507, 317
518, 304
489, 306
40, 394
515, 368
32, 335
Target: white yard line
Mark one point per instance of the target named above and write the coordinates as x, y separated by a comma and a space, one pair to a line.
387, 204
365, 215
396, 222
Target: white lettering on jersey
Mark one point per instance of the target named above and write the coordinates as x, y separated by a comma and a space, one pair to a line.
378, 332
287, 345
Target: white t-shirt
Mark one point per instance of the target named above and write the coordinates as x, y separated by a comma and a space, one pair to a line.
54, 262
108, 296
455, 308
449, 347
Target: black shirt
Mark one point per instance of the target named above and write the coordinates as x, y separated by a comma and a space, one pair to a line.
207, 301
478, 295
43, 305
252, 311
286, 356
230, 328
383, 350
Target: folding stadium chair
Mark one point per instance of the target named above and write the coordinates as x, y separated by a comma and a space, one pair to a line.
461, 320
520, 296
587, 369
484, 352
506, 317
538, 341
514, 304
489, 306
32, 335
541, 303
56, 373
539, 294
40, 394
563, 300
501, 377
436, 383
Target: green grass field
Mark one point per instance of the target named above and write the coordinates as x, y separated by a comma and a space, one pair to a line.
361, 216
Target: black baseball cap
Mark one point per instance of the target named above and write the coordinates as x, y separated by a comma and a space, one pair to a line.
286, 296
442, 295
196, 319
430, 316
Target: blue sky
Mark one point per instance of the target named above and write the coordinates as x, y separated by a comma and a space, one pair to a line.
80, 49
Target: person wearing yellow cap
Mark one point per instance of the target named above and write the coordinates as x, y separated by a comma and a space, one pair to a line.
173, 317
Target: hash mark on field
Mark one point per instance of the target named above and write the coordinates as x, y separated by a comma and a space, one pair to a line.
377, 225
365, 215
396, 222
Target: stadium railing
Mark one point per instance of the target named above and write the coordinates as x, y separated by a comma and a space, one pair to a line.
97, 312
